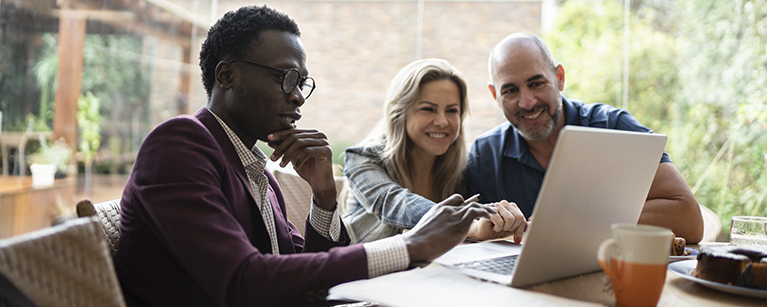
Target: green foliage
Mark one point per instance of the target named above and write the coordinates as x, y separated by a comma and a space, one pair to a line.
89, 121
595, 30
698, 69
588, 40
45, 75
112, 70
115, 83
723, 105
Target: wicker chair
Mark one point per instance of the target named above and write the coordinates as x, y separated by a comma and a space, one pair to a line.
63, 265
108, 213
298, 196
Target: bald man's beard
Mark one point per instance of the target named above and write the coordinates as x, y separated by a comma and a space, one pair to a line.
538, 132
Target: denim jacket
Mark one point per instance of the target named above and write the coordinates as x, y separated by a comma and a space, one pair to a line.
377, 207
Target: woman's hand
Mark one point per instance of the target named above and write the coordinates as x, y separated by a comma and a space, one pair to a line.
507, 221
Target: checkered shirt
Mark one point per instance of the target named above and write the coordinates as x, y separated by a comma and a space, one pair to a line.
383, 256
254, 161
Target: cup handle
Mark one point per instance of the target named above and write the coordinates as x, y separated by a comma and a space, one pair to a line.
604, 255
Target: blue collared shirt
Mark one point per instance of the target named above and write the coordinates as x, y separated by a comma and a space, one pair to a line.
500, 165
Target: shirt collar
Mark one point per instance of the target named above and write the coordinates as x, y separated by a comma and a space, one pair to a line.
572, 116
249, 158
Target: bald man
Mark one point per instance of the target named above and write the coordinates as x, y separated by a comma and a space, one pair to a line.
510, 161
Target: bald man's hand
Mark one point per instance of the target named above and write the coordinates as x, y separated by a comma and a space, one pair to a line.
507, 221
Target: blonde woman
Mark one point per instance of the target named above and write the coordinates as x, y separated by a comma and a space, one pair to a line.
414, 157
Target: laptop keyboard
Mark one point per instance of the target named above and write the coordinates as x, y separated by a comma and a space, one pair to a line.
501, 265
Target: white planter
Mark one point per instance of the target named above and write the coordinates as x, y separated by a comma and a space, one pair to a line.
42, 174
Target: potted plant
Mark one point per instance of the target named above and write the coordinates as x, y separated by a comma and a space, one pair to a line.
49, 161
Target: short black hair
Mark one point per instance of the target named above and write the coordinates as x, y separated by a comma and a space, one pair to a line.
234, 33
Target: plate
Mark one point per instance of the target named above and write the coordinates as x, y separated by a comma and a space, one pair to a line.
683, 269
692, 255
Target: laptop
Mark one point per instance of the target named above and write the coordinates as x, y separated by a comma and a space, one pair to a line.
596, 177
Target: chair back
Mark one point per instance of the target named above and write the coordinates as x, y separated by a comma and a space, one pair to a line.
298, 196
63, 265
712, 226
108, 213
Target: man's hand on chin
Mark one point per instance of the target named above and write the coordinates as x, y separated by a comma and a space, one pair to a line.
312, 158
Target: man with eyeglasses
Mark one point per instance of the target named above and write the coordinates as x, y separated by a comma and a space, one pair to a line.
203, 222
509, 162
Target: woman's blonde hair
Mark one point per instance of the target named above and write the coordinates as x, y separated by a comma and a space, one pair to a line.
392, 133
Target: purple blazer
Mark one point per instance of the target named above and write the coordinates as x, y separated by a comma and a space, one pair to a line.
192, 234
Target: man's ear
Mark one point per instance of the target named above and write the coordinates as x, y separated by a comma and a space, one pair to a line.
224, 75
560, 71
492, 89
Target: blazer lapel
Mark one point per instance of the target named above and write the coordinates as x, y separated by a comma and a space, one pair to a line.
218, 132
261, 242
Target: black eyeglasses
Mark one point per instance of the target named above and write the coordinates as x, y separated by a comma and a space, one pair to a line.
291, 79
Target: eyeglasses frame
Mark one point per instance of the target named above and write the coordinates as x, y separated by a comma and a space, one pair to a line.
301, 80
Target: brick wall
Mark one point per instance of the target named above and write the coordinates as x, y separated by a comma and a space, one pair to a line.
354, 48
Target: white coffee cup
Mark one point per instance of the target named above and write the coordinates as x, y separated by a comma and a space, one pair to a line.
636, 259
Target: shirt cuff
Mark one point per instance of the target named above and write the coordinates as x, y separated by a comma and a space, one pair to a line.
327, 223
386, 256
